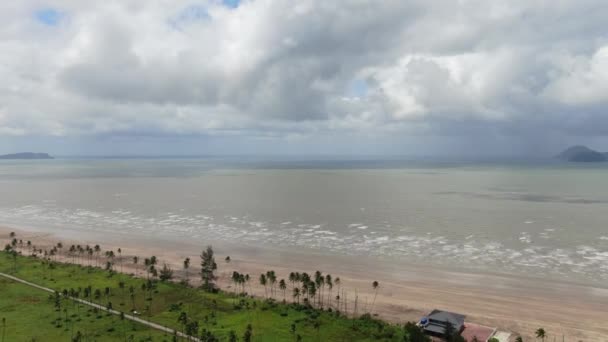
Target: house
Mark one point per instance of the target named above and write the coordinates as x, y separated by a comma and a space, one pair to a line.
438, 321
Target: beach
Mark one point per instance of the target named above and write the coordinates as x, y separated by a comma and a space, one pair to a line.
406, 292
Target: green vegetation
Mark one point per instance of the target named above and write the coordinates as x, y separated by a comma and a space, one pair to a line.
30, 314
208, 313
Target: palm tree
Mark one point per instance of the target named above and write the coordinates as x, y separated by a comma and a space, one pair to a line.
296, 294
90, 254
540, 333
132, 295
147, 265
337, 282
183, 319
292, 279
519, 339
283, 287
97, 250
272, 279
319, 283
120, 258
121, 285
375, 285
235, 280
330, 284
135, 261
186, 267
264, 282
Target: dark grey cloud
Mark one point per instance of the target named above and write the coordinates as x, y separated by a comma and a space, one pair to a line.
529, 70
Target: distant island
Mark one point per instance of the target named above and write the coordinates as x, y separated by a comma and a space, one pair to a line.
582, 154
26, 155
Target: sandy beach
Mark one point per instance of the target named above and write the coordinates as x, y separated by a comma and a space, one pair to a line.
510, 303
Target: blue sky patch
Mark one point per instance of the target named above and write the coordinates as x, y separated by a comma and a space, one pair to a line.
231, 3
358, 88
48, 16
189, 15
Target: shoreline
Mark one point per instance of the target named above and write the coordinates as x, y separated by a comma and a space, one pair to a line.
407, 292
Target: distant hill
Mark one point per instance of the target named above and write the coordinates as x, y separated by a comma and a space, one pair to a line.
582, 154
26, 155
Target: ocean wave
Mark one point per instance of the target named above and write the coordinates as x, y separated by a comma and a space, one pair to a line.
473, 251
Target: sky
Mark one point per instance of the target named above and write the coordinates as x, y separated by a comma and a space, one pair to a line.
392, 77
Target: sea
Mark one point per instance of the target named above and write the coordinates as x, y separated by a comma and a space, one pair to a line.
535, 218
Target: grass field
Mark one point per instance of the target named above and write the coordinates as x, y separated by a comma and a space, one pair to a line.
31, 314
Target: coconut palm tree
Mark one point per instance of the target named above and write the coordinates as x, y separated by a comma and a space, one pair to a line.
375, 285
319, 283
247, 279
541, 333
147, 264
337, 283
183, 319
272, 279
283, 287
264, 282
97, 251
120, 258
330, 285
186, 267
132, 295
292, 279
135, 261
296, 294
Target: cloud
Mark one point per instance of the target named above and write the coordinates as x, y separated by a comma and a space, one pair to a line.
283, 69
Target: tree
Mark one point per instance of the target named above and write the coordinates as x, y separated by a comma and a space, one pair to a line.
264, 282
414, 333
3, 327
166, 273
283, 287
186, 267
272, 279
120, 258
248, 333
192, 328
135, 261
97, 251
232, 336
296, 294
183, 319
375, 285
541, 333
208, 268
519, 339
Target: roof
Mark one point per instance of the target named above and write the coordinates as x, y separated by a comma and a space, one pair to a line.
456, 319
439, 319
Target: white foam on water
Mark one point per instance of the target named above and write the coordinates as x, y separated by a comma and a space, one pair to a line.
475, 251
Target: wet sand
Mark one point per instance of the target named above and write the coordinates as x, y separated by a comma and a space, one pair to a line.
406, 292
